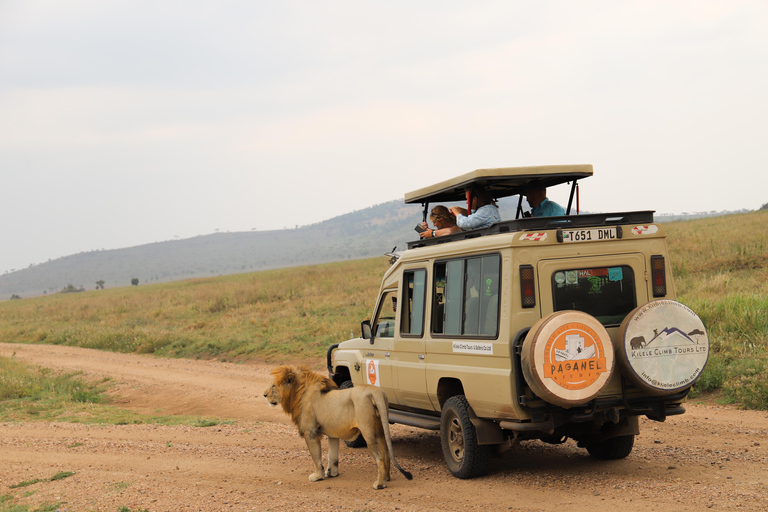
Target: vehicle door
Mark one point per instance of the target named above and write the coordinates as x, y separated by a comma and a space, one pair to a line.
376, 363
409, 368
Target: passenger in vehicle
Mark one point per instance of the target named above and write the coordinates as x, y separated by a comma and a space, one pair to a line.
485, 213
444, 222
536, 195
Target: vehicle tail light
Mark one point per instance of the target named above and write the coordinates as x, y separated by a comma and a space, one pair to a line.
527, 286
659, 276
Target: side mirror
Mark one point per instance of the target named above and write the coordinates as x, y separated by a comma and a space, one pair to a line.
365, 326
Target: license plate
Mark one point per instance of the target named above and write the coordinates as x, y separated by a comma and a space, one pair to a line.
590, 235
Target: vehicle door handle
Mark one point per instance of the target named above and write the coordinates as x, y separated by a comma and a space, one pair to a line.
421, 356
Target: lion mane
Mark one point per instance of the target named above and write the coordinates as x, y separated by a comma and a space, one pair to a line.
293, 384
318, 407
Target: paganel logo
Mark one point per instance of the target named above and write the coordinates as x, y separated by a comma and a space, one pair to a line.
574, 357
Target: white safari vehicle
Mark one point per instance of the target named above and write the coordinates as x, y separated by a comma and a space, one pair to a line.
542, 328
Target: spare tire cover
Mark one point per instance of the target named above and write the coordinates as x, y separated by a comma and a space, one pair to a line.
567, 358
664, 347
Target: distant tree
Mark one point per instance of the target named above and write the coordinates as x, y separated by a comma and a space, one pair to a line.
70, 288
15, 297
100, 284
764, 207
135, 281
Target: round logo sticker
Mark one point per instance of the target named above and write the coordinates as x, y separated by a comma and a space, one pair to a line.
574, 357
372, 372
665, 346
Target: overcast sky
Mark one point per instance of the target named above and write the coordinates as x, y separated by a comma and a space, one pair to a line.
130, 122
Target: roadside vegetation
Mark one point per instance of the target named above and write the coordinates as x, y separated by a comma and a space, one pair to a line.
31, 393
720, 266
12, 502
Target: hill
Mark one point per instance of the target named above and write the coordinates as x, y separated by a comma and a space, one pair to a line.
301, 311
361, 234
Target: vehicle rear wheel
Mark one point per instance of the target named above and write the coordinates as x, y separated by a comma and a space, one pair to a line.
358, 442
463, 456
612, 449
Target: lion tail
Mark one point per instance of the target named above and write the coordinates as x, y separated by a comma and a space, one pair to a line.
380, 399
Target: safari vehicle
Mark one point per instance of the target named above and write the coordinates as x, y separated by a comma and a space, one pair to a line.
542, 328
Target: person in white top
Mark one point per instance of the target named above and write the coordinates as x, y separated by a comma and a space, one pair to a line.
484, 214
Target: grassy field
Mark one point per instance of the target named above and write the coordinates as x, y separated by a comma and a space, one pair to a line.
31, 393
297, 311
720, 266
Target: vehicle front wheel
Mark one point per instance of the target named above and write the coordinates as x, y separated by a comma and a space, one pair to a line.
359, 441
463, 456
612, 449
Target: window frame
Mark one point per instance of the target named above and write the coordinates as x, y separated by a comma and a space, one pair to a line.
434, 304
375, 320
624, 266
405, 302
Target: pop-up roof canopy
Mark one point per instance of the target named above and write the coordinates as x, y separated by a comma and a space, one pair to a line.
501, 182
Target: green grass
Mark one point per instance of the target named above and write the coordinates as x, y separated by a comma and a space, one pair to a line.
58, 476
721, 271
31, 393
266, 314
7, 501
12, 507
720, 266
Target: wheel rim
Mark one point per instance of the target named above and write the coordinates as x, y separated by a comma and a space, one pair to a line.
456, 439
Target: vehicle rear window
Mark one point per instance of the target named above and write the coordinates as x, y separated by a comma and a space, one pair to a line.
607, 293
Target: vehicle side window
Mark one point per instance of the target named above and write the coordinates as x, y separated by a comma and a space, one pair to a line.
414, 292
466, 297
384, 326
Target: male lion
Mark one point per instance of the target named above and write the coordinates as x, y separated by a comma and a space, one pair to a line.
317, 406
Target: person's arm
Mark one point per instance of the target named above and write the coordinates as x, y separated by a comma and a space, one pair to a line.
480, 218
432, 233
427, 233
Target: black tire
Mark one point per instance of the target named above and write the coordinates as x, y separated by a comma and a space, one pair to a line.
358, 442
463, 456
612, 449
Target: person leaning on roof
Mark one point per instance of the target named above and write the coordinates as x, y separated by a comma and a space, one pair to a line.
443, 220
484, 212
536, 195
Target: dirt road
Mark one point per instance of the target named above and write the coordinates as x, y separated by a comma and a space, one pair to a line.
711, 457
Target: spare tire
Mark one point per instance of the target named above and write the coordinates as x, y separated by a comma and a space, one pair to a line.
664, 347
567, 358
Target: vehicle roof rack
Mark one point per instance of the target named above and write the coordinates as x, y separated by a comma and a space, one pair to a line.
500, 182
543, 223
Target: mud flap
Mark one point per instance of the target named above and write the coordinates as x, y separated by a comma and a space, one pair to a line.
629, 426
488, 432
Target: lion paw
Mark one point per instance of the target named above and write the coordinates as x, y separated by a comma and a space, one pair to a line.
331, 472
316, 477
379, 485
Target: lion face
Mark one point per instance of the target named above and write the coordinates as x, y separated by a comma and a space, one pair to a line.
272, 394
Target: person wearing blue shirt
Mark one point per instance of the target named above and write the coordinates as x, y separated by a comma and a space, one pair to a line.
542, 206
484, 212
